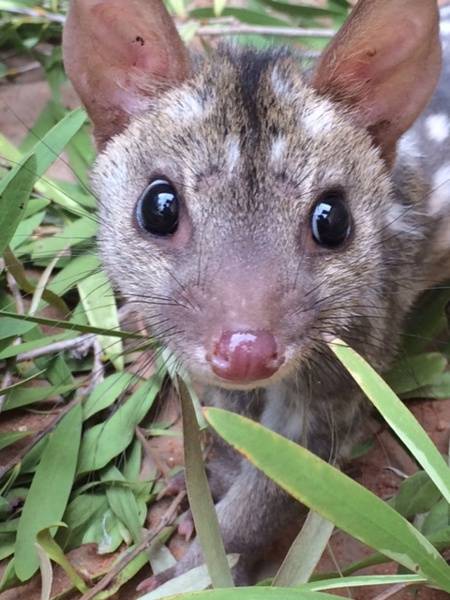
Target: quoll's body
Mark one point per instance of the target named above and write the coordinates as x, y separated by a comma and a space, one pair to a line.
252, 211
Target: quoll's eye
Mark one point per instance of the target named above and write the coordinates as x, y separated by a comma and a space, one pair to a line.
330, 219
157, 210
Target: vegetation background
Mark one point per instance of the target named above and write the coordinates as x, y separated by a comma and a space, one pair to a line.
87, 439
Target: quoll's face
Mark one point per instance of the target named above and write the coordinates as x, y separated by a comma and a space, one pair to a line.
245, 215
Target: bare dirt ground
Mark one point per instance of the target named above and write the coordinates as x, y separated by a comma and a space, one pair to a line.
20, 104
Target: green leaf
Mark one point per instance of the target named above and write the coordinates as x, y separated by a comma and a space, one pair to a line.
54, 552
106, 440
362, 581
437, 520
50, 146
123, 503
34, 344
244, 15
77, 269
200, 499
82, 513
24, 231
20, 384
100, 305
13, 200
399, 418
74, 233
354, 509
8, 579
427, 321
254, 593
24, 396
13, 326
107, 392
11, 437
416, 495
300, 10
42, 125
49, 492
415, 372
438, 389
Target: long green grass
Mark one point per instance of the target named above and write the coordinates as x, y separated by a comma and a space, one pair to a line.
67, 352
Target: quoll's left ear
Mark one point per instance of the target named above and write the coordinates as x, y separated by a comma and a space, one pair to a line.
384, 64
120, 55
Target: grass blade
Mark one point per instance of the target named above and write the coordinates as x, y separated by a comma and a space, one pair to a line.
106, 440
49, 492
55, 553
13, 200
254, 593
48, 149
397, 415
200, 500
362, 580
354, 509
71, 326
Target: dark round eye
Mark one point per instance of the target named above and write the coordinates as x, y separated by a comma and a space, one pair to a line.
158, 207
330, 219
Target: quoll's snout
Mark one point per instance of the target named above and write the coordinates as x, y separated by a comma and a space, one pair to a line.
246, 356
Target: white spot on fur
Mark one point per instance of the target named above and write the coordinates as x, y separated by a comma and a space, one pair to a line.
409, 146
281, 86
397, 220
445, 27
438, 127
232, 153
188, 108
278, 150
319, 120
440, 197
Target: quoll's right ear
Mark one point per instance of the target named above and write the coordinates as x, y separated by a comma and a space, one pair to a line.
384, 64
119, 54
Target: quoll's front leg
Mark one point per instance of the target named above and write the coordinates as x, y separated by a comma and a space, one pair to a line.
252, 515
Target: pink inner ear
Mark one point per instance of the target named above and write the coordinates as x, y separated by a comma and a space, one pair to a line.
384, 64
119, 55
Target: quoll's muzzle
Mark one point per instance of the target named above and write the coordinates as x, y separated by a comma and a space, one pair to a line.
246, 356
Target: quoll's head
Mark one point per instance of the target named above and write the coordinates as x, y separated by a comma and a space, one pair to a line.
244, 206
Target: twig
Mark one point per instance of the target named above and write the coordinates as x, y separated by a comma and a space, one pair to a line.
56, 347
157, 463
98, 368
42, 283
12, 284
6, 382
242, 29
84, 341
166, 519
22, 69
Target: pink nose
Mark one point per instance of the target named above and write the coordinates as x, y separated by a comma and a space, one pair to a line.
246, 356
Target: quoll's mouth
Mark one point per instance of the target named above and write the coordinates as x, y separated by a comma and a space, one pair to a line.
246, 357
